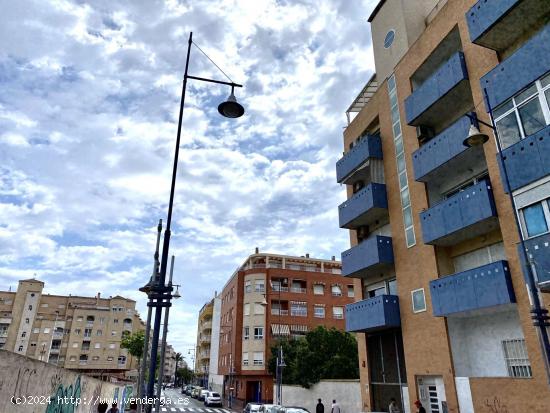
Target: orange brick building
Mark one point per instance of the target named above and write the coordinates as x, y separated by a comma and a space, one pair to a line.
268, 297
443, 314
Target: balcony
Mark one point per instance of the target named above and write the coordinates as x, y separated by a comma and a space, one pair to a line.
370, 257
463, 216
482, 287
348, 166
364, 207
538, 250
528, 160
445, 153
444, 90
373, 314
499, 24
526, 65
205, 339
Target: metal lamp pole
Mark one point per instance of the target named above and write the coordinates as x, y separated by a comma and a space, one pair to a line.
161, 294
539, 314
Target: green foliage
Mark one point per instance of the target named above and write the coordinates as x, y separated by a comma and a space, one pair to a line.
134, 343
322, 354
184, 375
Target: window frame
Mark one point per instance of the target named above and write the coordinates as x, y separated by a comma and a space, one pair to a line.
544, 105
546, 212
320, 307
521, 362
416, 311
258, 333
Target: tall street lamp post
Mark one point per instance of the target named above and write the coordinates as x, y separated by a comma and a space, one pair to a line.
539, 314
160, 293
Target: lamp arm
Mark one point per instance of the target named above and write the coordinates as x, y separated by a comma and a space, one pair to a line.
220, 82
473, 117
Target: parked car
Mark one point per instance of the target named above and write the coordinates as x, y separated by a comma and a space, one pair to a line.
212, 399
295, 409
202, 394
271, 408
252, 407
195, 393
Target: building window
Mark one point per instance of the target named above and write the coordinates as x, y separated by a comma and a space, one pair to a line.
27, 321
298, 308
20, 348
319, 311
258, 358
110, 358
80, 318
47, 331
338, 312
95, 358
418, 300
99, 332
246, 334
101, 320
72, 358
113, 333
336, 291
75, 345
247, 286
87, 332
36, 330
247, 309
351, 291
30, 307
535, 219
258, 333
121, 359
112, 345
259, 286
410, 236
97, 345
524, 114
517, 361
245, 358
24, 334
318, 289
388, 40
115, 321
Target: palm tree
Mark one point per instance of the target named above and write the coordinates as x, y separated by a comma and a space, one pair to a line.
178, 357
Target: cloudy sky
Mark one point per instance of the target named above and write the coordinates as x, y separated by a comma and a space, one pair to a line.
88, 116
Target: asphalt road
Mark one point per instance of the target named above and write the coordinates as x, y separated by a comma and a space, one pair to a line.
176, 402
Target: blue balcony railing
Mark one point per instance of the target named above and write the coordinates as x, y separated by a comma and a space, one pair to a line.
367, 258
364, 207
526, 65
434, 96
498, 24
369, 147
538, 251
528, 160
465, 215
443, 151
486, 286
377, 313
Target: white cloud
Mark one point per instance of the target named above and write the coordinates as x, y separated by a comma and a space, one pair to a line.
88, 115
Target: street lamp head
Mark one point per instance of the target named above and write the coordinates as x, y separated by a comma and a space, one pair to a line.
231, 108
176, 295
147, 287
475, 137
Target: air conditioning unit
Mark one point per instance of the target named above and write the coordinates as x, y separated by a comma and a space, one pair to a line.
424, 133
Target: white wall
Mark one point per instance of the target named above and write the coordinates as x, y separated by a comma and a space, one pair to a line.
215, 336
476, 341
346, 392
464, 394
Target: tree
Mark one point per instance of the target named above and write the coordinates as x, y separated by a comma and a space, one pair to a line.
134, 343
185, 375
322, 354
178, 357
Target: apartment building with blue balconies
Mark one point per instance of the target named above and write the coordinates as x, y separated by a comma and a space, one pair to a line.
443, 312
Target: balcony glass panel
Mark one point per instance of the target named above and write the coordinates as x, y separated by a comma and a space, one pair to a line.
367, 258
486, 286
463, 216
538, 251
369, 147
364, 207
445, 89
373, 314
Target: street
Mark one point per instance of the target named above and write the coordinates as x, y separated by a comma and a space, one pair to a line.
179, 402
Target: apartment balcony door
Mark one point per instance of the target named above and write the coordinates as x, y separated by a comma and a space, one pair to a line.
387, 370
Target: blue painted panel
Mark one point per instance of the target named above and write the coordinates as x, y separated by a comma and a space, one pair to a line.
484, 14
527, 160
523, 67
373, 314
538, 250
368, 256
370, 147
373, 196
486, 286
445, 78
466, 208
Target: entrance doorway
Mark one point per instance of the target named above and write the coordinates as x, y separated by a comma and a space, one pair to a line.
431, 391
253, 391
387, 369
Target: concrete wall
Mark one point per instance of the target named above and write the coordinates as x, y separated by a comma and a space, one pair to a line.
346, 392
23, 377
215, 337
476, 342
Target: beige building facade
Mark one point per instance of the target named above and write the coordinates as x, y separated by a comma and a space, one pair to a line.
74, 332
443, 314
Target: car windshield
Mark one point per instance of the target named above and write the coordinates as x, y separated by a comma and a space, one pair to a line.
295, 410
214, 395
